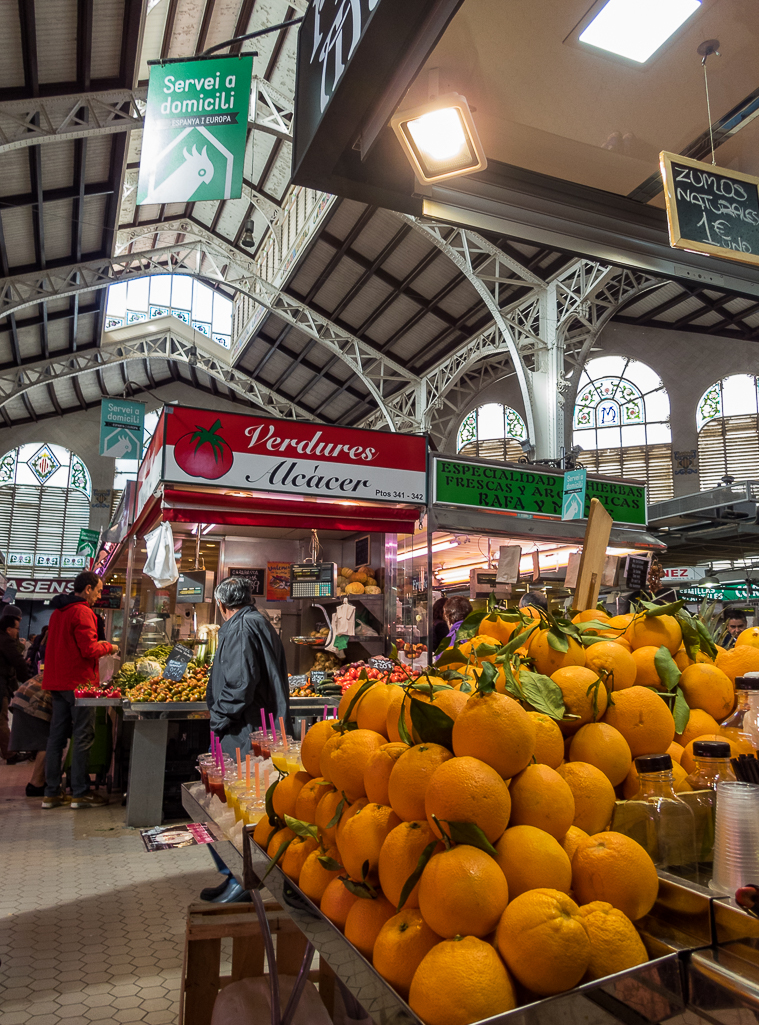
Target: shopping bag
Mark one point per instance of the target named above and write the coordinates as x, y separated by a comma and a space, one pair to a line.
160, 565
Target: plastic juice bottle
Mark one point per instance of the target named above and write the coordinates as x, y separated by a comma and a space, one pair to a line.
712, 759
742, 727
667, 827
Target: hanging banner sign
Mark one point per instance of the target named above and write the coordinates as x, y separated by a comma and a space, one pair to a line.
291, 457
121, 425
88, 543
711, 209
196, 124
573, 500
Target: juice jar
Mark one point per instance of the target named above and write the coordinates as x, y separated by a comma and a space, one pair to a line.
741, 726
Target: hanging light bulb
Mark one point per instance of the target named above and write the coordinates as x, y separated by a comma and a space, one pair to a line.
248, 237
710, 579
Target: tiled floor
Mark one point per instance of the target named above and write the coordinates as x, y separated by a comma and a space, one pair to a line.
91, 927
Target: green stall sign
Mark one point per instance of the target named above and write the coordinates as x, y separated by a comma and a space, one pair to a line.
506, 489
196, 125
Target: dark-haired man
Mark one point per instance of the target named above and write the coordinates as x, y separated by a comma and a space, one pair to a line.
736, 623
249, 670
71, 662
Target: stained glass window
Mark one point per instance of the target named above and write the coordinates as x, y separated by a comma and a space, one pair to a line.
621, 422
492, 431
45, 494
736, 395
179, 295
727, 418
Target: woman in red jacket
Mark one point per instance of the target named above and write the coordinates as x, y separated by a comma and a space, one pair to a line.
71, 662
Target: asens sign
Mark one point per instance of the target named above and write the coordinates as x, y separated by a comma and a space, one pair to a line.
196, 124
502, 488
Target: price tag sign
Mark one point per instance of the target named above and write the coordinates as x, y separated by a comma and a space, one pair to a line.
385, 665
176, 663
317, 676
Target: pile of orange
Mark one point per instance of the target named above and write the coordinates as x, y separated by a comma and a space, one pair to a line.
523, 888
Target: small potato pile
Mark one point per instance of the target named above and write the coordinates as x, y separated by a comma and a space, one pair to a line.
477, 865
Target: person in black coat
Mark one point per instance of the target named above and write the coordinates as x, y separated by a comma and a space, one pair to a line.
249, 670
13, 671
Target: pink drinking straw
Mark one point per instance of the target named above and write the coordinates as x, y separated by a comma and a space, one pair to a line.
282, 731
323, 717
271, 723
258, 781
263, 724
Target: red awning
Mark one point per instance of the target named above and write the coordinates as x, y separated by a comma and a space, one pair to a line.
255, 510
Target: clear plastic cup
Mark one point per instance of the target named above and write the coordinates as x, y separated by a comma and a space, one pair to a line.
252, 808
216, 783
736, 836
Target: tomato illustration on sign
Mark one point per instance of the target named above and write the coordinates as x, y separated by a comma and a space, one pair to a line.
204, 453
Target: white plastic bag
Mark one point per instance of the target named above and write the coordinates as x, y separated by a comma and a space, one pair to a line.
160, 565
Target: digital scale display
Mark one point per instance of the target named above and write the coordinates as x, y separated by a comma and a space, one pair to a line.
313, 580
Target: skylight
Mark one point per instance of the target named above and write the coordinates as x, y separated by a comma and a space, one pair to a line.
637, 28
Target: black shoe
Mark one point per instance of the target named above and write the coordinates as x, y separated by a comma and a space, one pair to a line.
233, 894
14, 759
212, 892
32, 791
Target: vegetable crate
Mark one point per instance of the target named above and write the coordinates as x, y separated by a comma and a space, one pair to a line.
208, 924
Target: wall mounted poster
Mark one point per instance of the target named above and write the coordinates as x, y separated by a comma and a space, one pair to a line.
277, 581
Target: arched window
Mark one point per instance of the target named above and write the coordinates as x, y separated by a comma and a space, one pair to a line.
178, 295
492, 431
45, 495
621, 421
727, 419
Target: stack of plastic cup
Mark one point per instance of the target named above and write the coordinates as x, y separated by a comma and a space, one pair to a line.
736, 837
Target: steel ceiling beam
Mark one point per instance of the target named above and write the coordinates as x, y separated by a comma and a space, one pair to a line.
41, 120
169, 345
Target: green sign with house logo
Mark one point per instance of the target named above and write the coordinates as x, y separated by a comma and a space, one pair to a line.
196, 124
88, 543
121, 428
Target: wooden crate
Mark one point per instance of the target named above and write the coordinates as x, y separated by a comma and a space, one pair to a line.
208, 924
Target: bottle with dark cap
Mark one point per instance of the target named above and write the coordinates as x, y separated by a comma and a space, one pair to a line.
742, 726
712, 758
666, 820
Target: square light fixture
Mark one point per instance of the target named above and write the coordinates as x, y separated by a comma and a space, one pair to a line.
440, 139
635, 29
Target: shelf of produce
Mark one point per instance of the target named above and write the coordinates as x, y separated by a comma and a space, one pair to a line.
650, 992
165, 709
100, 702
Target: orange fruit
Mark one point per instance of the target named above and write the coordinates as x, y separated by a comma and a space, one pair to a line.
615, 944
373, 708
601, 745
314, 877
467, 790
543, 940
589, 615
286, 793
336, 902
699, 723
400, 947
572, 839
398, 859
530, 858
748, 636
296, 854
461, 981
742, 659
451, 702
325, 812
622, 623
344, 757
498, 628
549, 743
688, 763
541, 798
593, 793
646, 674
682, 659
548, 659
462, 892
613, 663
348, 812
409, 779
277, 839
497, 730
394, 709
364, 922
643, 719
613, 868
708, 688
573, 682
263, 832
309, 798
378, 769
363, 837
655, 630
675, 751
313, 742
347, 698
469, 648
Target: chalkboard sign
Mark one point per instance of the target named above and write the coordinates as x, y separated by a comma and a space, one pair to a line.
176, 663
255, 577
636, 572
385, 665
711, 209
317, 676
110, 597
363, 551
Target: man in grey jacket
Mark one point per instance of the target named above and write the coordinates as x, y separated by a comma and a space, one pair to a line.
249, 670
